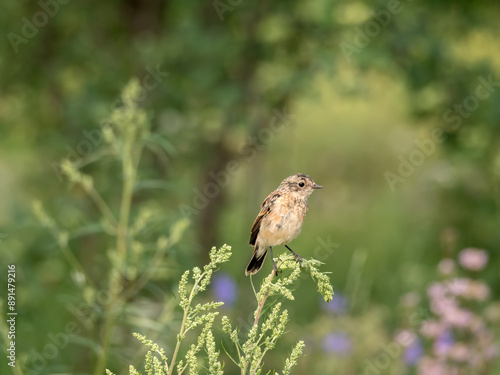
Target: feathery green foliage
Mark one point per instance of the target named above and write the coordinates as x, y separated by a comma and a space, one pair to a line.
260, 339
125, 135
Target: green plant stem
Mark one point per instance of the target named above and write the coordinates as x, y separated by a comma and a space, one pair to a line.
157, 260
102, 206
183, 369
129, 173
75, 263
258, 363
182, 332
261, 304
239, 353
70, 257
259, 313
177, 346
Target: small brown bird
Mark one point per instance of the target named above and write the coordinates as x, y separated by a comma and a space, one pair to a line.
280, 219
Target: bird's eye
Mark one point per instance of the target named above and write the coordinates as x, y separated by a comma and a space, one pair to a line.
301, 184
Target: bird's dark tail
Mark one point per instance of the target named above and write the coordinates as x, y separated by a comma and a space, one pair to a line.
255, 264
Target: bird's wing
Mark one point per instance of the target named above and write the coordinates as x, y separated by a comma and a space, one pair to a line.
264, 211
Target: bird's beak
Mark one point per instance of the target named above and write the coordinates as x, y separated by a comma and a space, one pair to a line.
316, 186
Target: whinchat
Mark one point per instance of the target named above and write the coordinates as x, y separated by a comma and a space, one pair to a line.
280, 219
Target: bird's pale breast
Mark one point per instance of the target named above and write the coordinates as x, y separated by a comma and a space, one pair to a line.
283, 223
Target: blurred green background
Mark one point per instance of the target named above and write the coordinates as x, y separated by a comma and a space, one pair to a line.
343, 91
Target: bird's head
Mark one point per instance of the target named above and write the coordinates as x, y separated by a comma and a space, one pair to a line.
300, 184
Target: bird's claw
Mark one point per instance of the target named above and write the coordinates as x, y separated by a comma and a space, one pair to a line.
276, 269
296, 256
299, 259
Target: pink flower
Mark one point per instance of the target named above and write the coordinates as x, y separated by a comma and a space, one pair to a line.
441, 297
431, 328
459, 352
446, 267
467, 288
457, 317
492, 351
473, 259
436, 291
459, 285
431, 366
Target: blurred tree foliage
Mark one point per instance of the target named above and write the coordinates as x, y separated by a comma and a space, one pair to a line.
219, 72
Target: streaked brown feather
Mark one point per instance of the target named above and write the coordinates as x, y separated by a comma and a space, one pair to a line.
265, 208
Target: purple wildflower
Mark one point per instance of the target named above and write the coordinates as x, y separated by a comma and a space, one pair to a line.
224, 288
443, 343
414, 352
338, 305
338, 343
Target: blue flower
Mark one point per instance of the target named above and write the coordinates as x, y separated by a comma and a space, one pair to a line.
443, 343
338, 305
414, 352
338, 343
224, 288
